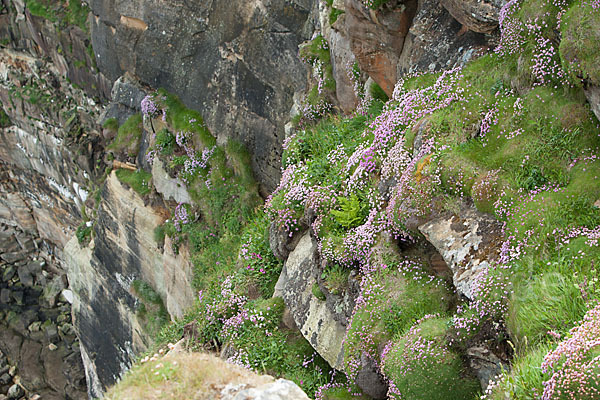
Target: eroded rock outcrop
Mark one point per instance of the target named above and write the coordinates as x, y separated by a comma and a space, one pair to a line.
235, 62
105, 306
377, 38
475, 15
436, 40
468, 242
312, 316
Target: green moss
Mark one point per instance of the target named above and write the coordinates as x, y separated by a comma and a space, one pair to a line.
580, 42
422, 367
111, 124
151, 308
4, 119
137, 180
317, 292
128, 136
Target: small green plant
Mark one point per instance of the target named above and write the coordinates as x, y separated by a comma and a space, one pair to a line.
111, 124
128, 136
151, 308
159, 235
138, 180
336, 278
378, 93
165, 142
317, 292
4, 119
334, 15
83, 233
351, 213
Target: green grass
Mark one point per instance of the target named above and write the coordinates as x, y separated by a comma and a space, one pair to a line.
128, 136
399, 302
66, 14
41, 8
140, 180
549, 302
431, 374
111, 124
181, 118
4, 119
151, 309
525, 378
334, 15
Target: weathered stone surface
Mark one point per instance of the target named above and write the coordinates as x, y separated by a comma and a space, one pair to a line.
281, 243
66, 47
126, 96
436, 40
476, 15
234, 61
312, 316
104, 306
281, 389
377, 38
370, 380
468, 242
486, 365
342, 59
170, 188
592, 93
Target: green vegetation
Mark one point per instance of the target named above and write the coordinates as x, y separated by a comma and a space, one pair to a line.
151, 309
138, 180
68, 13
128, 136
83, 233
422, 366
4, 119
515, 140
580, 42
111, 124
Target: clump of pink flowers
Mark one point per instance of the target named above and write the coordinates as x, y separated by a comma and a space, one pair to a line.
574, 366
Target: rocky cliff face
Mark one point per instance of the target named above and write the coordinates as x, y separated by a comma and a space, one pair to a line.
234, 61
105, 304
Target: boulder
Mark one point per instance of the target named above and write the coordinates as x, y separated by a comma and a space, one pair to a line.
311, 315
476, 15
170, 188
467, 242
281, 389
377, 38
486, 365
592, 93
436, 40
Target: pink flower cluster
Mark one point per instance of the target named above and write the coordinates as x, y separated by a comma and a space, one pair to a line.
574, 366
181, 216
